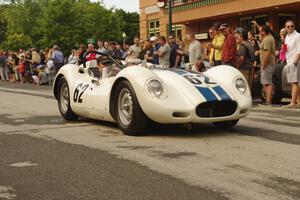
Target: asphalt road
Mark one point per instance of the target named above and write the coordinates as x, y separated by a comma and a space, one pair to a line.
43, 157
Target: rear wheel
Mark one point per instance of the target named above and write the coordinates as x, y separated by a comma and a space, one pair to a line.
64, 100
226, 124
129, 116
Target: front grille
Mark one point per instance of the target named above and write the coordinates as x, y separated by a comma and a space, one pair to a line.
216, 109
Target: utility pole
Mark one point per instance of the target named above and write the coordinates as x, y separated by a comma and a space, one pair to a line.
170, 17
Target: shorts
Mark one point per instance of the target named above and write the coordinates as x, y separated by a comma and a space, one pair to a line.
267, 75
292, 73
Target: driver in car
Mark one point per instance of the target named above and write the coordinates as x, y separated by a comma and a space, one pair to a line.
105, 66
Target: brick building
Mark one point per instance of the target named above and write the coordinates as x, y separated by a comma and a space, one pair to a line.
196, 16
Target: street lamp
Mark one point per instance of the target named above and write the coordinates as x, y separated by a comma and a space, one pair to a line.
162, 4
124, 37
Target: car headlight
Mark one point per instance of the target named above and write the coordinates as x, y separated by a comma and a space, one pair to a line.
155, 88
240, 85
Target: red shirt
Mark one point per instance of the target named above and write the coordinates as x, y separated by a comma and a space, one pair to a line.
229, 50
91, 56
21, 68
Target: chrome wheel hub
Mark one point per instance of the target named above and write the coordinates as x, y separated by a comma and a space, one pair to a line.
64, 98
125, 106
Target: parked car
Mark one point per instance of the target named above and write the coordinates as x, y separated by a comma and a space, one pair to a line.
281, 88
145, 93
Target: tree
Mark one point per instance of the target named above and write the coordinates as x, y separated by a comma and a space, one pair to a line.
3, 23
16, 41
130, 24
67, 23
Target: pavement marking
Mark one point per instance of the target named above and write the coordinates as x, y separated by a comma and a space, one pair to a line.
5, 193
24, 164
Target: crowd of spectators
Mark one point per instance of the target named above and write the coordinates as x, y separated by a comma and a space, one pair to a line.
239, 48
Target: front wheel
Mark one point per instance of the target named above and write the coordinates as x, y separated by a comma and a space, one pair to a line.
63, 99
226, 124
129, 116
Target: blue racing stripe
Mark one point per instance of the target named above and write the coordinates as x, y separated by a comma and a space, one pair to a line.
220, 91
177, 71
207, 93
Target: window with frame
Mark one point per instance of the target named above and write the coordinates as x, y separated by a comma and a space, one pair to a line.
177, 30
153, 28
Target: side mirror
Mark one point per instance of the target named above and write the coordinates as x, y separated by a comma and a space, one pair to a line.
81, 70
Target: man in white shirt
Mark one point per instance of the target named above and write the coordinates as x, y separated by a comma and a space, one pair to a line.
195, 50
292, 41
163, 52
100, 46
135, 50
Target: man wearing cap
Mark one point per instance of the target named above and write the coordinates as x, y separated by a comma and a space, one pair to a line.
267, 60
229, 47
245, 54
155, 58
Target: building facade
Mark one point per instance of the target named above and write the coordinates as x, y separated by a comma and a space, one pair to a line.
196, 16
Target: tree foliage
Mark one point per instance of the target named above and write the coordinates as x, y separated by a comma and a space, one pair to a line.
130, 24
67, 23
16, 41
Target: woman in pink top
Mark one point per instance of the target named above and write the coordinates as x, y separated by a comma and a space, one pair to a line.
283, 47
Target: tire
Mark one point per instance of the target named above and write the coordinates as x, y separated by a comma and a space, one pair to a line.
129, 116
226, 124
276, 96
63, 99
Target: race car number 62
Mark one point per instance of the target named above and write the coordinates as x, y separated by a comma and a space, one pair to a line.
80, 89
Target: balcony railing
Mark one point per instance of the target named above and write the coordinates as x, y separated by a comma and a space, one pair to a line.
180, 5
181, 2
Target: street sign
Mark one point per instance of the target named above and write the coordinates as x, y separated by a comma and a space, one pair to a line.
201, 36
91, 41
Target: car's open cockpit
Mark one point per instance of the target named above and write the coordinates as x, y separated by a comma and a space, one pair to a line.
105, 65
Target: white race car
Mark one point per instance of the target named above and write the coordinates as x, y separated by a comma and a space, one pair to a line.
144, 93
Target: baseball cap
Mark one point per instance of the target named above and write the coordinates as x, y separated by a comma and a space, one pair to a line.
223, 26
153, 38
241, 31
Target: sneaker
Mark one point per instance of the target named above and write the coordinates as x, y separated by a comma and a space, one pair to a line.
265, 104
290, 106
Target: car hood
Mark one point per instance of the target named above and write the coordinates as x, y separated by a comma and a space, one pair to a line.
197, 87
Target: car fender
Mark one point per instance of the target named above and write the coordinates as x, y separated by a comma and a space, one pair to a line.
226, 76
71, 74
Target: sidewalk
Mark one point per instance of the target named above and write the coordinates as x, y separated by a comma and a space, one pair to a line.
27, 86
